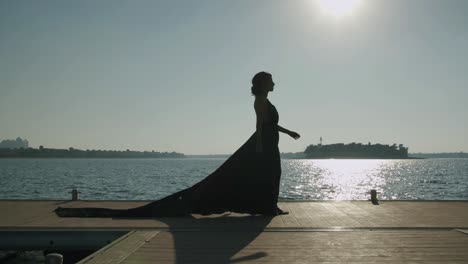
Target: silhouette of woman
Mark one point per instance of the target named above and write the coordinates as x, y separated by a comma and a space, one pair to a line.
247, 182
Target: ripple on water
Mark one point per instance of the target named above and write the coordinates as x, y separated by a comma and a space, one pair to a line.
149, 179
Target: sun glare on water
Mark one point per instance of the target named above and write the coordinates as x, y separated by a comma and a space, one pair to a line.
339, 8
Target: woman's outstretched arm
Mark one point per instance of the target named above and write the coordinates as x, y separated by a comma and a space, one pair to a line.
288, 132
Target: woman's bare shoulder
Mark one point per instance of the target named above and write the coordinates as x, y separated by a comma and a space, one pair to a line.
260, 104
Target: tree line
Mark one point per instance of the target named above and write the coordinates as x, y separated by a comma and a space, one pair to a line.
357, 150
42, 152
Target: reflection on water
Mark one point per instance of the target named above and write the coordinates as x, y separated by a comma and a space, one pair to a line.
335, 179
332, 179
150, 179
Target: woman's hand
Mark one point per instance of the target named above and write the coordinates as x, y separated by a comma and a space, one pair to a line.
288, 132
294, 135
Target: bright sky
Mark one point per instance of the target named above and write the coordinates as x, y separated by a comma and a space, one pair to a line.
175, 75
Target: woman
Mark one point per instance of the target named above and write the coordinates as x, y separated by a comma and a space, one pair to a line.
247, 182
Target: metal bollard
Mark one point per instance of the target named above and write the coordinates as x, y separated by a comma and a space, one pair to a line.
374, 199
75, 193
53, 258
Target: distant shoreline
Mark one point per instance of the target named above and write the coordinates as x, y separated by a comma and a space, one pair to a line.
93, 157
357, 158
48, 153
72, 153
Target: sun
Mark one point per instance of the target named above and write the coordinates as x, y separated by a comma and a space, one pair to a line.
338, 8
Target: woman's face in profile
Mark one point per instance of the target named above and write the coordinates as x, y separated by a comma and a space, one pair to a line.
269, 84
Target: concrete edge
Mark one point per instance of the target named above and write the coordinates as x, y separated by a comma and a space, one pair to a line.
280, 200
106, 247
128, 244
265, 229
464, 231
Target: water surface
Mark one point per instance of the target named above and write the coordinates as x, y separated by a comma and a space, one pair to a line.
150, 179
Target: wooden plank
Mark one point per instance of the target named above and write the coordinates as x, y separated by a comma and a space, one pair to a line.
326, 262
305, 247
346, 214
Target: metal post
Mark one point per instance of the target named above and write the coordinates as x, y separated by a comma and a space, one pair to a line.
374, 199
74, 195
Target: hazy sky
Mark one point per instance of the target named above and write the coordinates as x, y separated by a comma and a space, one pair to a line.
175, 75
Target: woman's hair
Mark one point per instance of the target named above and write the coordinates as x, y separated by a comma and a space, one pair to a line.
257, 82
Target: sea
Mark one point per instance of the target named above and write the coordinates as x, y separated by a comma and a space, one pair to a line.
302, 179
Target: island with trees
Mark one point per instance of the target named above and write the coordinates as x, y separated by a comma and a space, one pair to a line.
356, 151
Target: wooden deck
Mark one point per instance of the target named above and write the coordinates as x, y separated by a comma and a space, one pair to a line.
313, 232
24, 214
397, 246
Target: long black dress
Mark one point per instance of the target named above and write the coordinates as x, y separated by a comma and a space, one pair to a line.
247, 182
